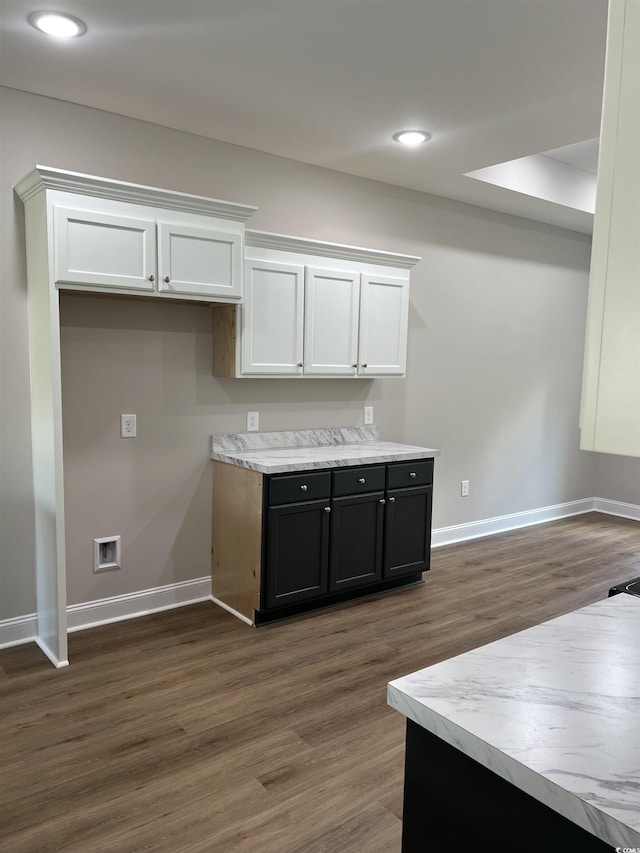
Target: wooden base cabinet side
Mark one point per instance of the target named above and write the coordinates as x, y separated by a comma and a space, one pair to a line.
236, 553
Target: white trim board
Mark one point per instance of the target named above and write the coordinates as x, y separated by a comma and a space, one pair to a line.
23, 629
90, 614
514, 521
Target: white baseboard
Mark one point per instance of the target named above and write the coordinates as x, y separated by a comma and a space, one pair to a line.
513, 521
21, 629
231, 610
617, 508
44, 648
89, 614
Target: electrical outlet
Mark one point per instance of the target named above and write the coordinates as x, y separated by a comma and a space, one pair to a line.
127, 426
368, 414
464, 488
253, 421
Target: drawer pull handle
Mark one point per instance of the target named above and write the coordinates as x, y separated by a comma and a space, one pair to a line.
382, 500
303, 488
412, 474
392, 500
362, 479
327, 509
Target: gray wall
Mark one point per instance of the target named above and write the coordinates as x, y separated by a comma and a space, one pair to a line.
495, 354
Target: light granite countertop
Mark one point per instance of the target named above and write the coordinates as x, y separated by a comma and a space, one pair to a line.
554, 710
302, 450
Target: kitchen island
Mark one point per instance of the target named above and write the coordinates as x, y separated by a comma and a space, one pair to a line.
304, 519
530, 743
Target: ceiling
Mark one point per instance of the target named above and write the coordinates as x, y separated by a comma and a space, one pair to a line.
329, 81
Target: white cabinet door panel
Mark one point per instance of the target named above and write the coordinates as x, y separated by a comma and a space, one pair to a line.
104, 250
331, 322
272, 318
199, 261
384, 310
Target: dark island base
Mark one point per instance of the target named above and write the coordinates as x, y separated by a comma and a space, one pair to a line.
453, 803
264, 617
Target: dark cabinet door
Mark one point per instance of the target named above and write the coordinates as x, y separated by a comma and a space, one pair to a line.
297, 554
356, 540
407, 531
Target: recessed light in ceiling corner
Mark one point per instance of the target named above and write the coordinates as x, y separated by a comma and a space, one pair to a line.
411, 138
57, 24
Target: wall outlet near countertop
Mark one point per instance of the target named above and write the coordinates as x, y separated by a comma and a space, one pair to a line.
464, 488
107, 554
128, 427
368, 415
253, 421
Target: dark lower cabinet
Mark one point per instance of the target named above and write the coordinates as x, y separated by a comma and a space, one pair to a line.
407, 531
336, 534
297, 555
356, 541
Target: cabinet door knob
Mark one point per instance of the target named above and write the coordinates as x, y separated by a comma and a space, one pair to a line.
327, 509
354, 365
362, 479
392, 500
382, 500
303, 488
412, 474
300, 364
167, 279
365, 365
152, 277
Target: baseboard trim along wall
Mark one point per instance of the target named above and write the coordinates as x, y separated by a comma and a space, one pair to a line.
89, 614
502, 523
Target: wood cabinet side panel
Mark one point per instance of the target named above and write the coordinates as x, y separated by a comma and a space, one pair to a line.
236, 553
224, 340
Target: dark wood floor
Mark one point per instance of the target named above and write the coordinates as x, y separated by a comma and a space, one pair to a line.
190, 732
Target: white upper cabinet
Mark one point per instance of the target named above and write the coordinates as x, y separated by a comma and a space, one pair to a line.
610, 413
331, 305
199, 261
103, 250
272, 318
315, 309
115, 237
384, 315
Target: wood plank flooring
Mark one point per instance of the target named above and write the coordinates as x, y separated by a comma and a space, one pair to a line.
190, 732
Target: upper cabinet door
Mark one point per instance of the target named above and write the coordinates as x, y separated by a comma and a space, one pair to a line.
104, 250
272, 318
384, 312
199, 261
331, 322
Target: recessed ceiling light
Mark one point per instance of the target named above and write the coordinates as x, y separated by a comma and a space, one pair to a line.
411, 138
57, 24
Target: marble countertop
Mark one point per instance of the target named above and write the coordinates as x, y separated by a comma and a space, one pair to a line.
301, 450
554, 709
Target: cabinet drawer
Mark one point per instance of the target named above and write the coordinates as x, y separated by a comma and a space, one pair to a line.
417, 473
292, 488
355, 481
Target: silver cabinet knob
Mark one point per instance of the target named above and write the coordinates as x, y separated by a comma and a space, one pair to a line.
382, 500
354, 365
362, 480
327, 509
167, 279
303, 488
300, 364
412, 474
392, 500
365, 365
151, 277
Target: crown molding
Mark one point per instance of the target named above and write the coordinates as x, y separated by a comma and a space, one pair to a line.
47, 178
286, 243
